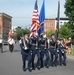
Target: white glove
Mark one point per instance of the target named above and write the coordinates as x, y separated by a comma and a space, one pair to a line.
26, 48
36, 34
44, 36
48, 41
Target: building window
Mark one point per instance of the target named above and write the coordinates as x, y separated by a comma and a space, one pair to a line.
60, 22
49, 23
64, 22
45, 24
52, 24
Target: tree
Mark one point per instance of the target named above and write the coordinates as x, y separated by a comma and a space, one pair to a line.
26, 31
49, 32
65, 31
69, 11
20, 32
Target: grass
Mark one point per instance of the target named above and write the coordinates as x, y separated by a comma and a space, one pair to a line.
72, 50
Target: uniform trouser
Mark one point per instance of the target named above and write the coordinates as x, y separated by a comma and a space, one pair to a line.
26, 56
38, 57
47, 57
62, 60
46, 53
11, 47
41, 58
1, 48
34, 52
29, 59
54, 56
33, 55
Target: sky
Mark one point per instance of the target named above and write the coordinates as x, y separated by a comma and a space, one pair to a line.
22, 10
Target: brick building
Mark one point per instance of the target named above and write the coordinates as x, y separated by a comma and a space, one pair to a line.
52, 22
5, 25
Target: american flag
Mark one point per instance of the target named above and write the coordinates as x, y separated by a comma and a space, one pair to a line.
35, 20
10, 34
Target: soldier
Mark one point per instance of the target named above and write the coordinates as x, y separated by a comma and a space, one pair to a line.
62, 53
25, 51
53, 51
44, 50
35, 50
1, 46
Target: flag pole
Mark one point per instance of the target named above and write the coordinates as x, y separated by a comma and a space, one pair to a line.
58, 21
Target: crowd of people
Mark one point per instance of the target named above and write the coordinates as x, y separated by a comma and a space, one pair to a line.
49, 51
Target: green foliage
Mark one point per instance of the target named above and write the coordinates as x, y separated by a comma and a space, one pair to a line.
69, 11
51, 31
65, 31
20, 32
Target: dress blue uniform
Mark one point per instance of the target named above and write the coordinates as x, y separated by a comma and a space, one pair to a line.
53, 52
26, 55
35, 50
62, 53
44, 51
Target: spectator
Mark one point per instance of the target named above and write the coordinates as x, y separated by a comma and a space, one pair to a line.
1, 46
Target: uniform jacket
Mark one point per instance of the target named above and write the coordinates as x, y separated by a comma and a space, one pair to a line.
27, 42
61, 48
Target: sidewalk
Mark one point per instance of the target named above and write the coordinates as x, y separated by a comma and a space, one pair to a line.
70, 57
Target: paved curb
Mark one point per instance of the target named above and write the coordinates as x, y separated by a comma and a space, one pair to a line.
70, 57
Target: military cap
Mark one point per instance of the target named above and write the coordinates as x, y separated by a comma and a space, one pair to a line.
34, 30
52, 34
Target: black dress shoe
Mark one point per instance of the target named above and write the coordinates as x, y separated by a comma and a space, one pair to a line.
47, 66
30, 70
42, 66
64, 64
1, 51
38, 67
24, 69
33, 68
55, 65
52, 65
60, 64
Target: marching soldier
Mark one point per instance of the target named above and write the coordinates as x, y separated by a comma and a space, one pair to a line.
62, 53
53, 51
44, 50
25, 51
35, 50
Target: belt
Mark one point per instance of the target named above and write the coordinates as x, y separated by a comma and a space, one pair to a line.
42, 45
33, 44
52, 47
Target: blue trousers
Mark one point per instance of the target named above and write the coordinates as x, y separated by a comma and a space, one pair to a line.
54, 56
38, 57
46, 53
62, 58
34, 52
26, 56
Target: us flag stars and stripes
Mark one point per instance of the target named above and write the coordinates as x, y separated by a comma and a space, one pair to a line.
35, 20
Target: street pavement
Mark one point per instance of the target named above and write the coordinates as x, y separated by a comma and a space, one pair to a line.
11, 64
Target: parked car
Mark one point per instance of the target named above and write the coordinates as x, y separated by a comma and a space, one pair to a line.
5, 43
